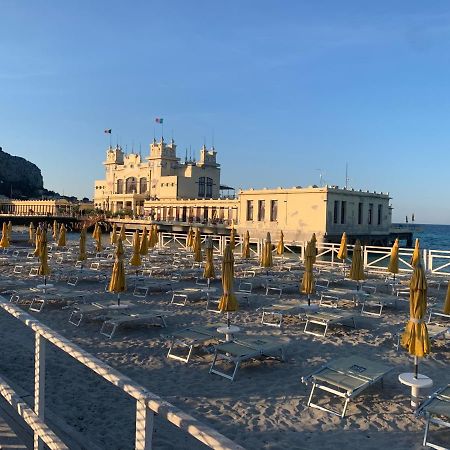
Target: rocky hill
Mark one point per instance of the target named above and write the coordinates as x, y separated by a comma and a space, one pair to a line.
20, 177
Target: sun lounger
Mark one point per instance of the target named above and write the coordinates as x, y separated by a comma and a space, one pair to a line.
327, 318
436, 410
346, 378
378, 301
111, 325
92, 311
273, 315
334, 297
244, 349
190, 337
438, 324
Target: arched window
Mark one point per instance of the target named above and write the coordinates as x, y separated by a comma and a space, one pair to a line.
209, 187
143, 185
120, 186
130, 185
201, 187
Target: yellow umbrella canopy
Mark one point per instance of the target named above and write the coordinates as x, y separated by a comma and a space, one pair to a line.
113, 235
232, 238
94, 233
82, 250
117, 283
342, 253
198, 246
144, 243
55, 230
246, 246
98, 239
308, 284
228, 301
4, 242
153, 236
266, 259
416, 254
190, 238
314, 242
357, 267
44, 269
9, 230
209, 271
393, 261
415, 337
136, 257
37, 249
62, 236
122, 234
280, 245
447, 300
32, 233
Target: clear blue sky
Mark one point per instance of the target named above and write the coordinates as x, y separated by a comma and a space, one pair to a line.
285, 87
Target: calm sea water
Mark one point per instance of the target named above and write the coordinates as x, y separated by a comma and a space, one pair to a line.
433, 237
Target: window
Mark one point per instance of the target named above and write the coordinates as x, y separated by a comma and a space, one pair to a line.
143, 185
380, 212
370, 217
273, 210
130, 185
336, 211
343, 211
209, 186
360, 213
120, 186
249, 210
201, 187
261, 210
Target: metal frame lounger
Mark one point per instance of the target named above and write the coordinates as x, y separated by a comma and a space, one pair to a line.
434, 409
327, 318
378, 301
111, 325
346, 378
278, 311
247, 348
92, 310
192, 336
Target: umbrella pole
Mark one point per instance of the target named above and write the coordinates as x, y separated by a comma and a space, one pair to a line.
228, 319
416, 367
309, 300
118, 299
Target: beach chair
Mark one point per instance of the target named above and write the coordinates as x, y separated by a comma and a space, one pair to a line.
111, 325
377, 303
244, 349
91, 311
190, 337
273, 315
346, 378
436, 410
438, 325
326, 319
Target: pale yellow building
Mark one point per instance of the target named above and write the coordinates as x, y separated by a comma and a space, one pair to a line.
59, 207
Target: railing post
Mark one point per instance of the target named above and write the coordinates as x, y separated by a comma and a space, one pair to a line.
39, 385
430, 261
144, 426
425, 260
365, 257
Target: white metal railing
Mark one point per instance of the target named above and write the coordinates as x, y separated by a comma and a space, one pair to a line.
438, 262
147, 403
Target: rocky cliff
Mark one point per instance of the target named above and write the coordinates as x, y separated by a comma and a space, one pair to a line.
19, 176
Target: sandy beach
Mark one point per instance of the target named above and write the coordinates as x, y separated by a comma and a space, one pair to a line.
265, 408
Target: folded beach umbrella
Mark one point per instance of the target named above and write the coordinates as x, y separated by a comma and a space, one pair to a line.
198, 246
37, 249
308, 284
122, 234
98, 239
144, 242
55, 230
4, 242
43, 269
113, 235
416, 254
117, 283
94, 233
82, 250
232, 238
228, 302
136, 256
209, 272
190, 238
9, 230
314, 242
62, 236
357, 267
280, 245
32, 233
342, 253
153, 236
246, 246
415, 337
266, 258
447, 300
393, 261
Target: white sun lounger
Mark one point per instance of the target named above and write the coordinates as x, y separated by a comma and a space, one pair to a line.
327, 318
436, 410
346, 378
273, 315
378, 302
246, 348
92, 310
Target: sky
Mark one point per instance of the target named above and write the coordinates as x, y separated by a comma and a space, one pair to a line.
289, 93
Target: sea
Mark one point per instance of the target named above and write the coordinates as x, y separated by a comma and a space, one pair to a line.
432, 237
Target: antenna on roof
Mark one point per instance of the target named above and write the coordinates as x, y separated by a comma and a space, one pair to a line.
321, 180
132, 146
346, 175
185, 157
212, 137
190, 153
